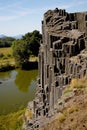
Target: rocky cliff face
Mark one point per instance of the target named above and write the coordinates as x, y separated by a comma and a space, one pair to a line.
62, 57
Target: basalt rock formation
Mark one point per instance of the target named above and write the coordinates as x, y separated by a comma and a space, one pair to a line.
62, 57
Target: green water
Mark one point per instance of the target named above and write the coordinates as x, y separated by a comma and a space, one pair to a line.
17, 88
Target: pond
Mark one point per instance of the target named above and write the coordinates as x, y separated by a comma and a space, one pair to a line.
17, 88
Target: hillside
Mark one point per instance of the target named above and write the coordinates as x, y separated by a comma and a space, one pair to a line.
72, 108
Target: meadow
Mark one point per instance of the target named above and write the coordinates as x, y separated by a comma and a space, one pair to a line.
6, 55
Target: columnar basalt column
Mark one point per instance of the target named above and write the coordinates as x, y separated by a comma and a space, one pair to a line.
62, 57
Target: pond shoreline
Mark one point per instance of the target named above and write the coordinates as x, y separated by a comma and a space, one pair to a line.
6, 67
29, 66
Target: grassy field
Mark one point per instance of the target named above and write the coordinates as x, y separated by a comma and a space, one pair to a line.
6, 51
13, 121
6, 56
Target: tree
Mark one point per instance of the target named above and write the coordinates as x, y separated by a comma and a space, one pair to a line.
21, 52
34, 46
33, 40
23, 48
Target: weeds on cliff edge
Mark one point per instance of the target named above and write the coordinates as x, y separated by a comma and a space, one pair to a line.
67, 91
62, 118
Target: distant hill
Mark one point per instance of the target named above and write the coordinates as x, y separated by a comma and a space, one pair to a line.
3, 36
6, 41
16, 36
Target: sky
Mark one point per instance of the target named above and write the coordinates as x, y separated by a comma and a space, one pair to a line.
19, 17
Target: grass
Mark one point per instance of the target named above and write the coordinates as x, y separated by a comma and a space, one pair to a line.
76, 84
6, 50
73, 109
67, 90
79, 83
12, 121
7, 56
61, 118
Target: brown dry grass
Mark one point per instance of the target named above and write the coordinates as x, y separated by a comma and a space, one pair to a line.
79, 83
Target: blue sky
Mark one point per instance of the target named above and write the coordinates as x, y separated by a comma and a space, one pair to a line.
20, 17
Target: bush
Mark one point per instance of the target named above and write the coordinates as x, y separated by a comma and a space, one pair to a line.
21, 52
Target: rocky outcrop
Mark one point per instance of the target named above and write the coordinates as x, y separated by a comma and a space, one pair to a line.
72, 115
62, 57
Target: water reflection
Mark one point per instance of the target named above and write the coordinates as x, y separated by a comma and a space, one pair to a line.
17, 88
24, 78
5, 75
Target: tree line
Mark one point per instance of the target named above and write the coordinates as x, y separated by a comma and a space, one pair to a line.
6, 41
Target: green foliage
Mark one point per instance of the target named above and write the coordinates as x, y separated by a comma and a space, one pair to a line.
34, 46
21, 52
33, 40
28, 45
6, 42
